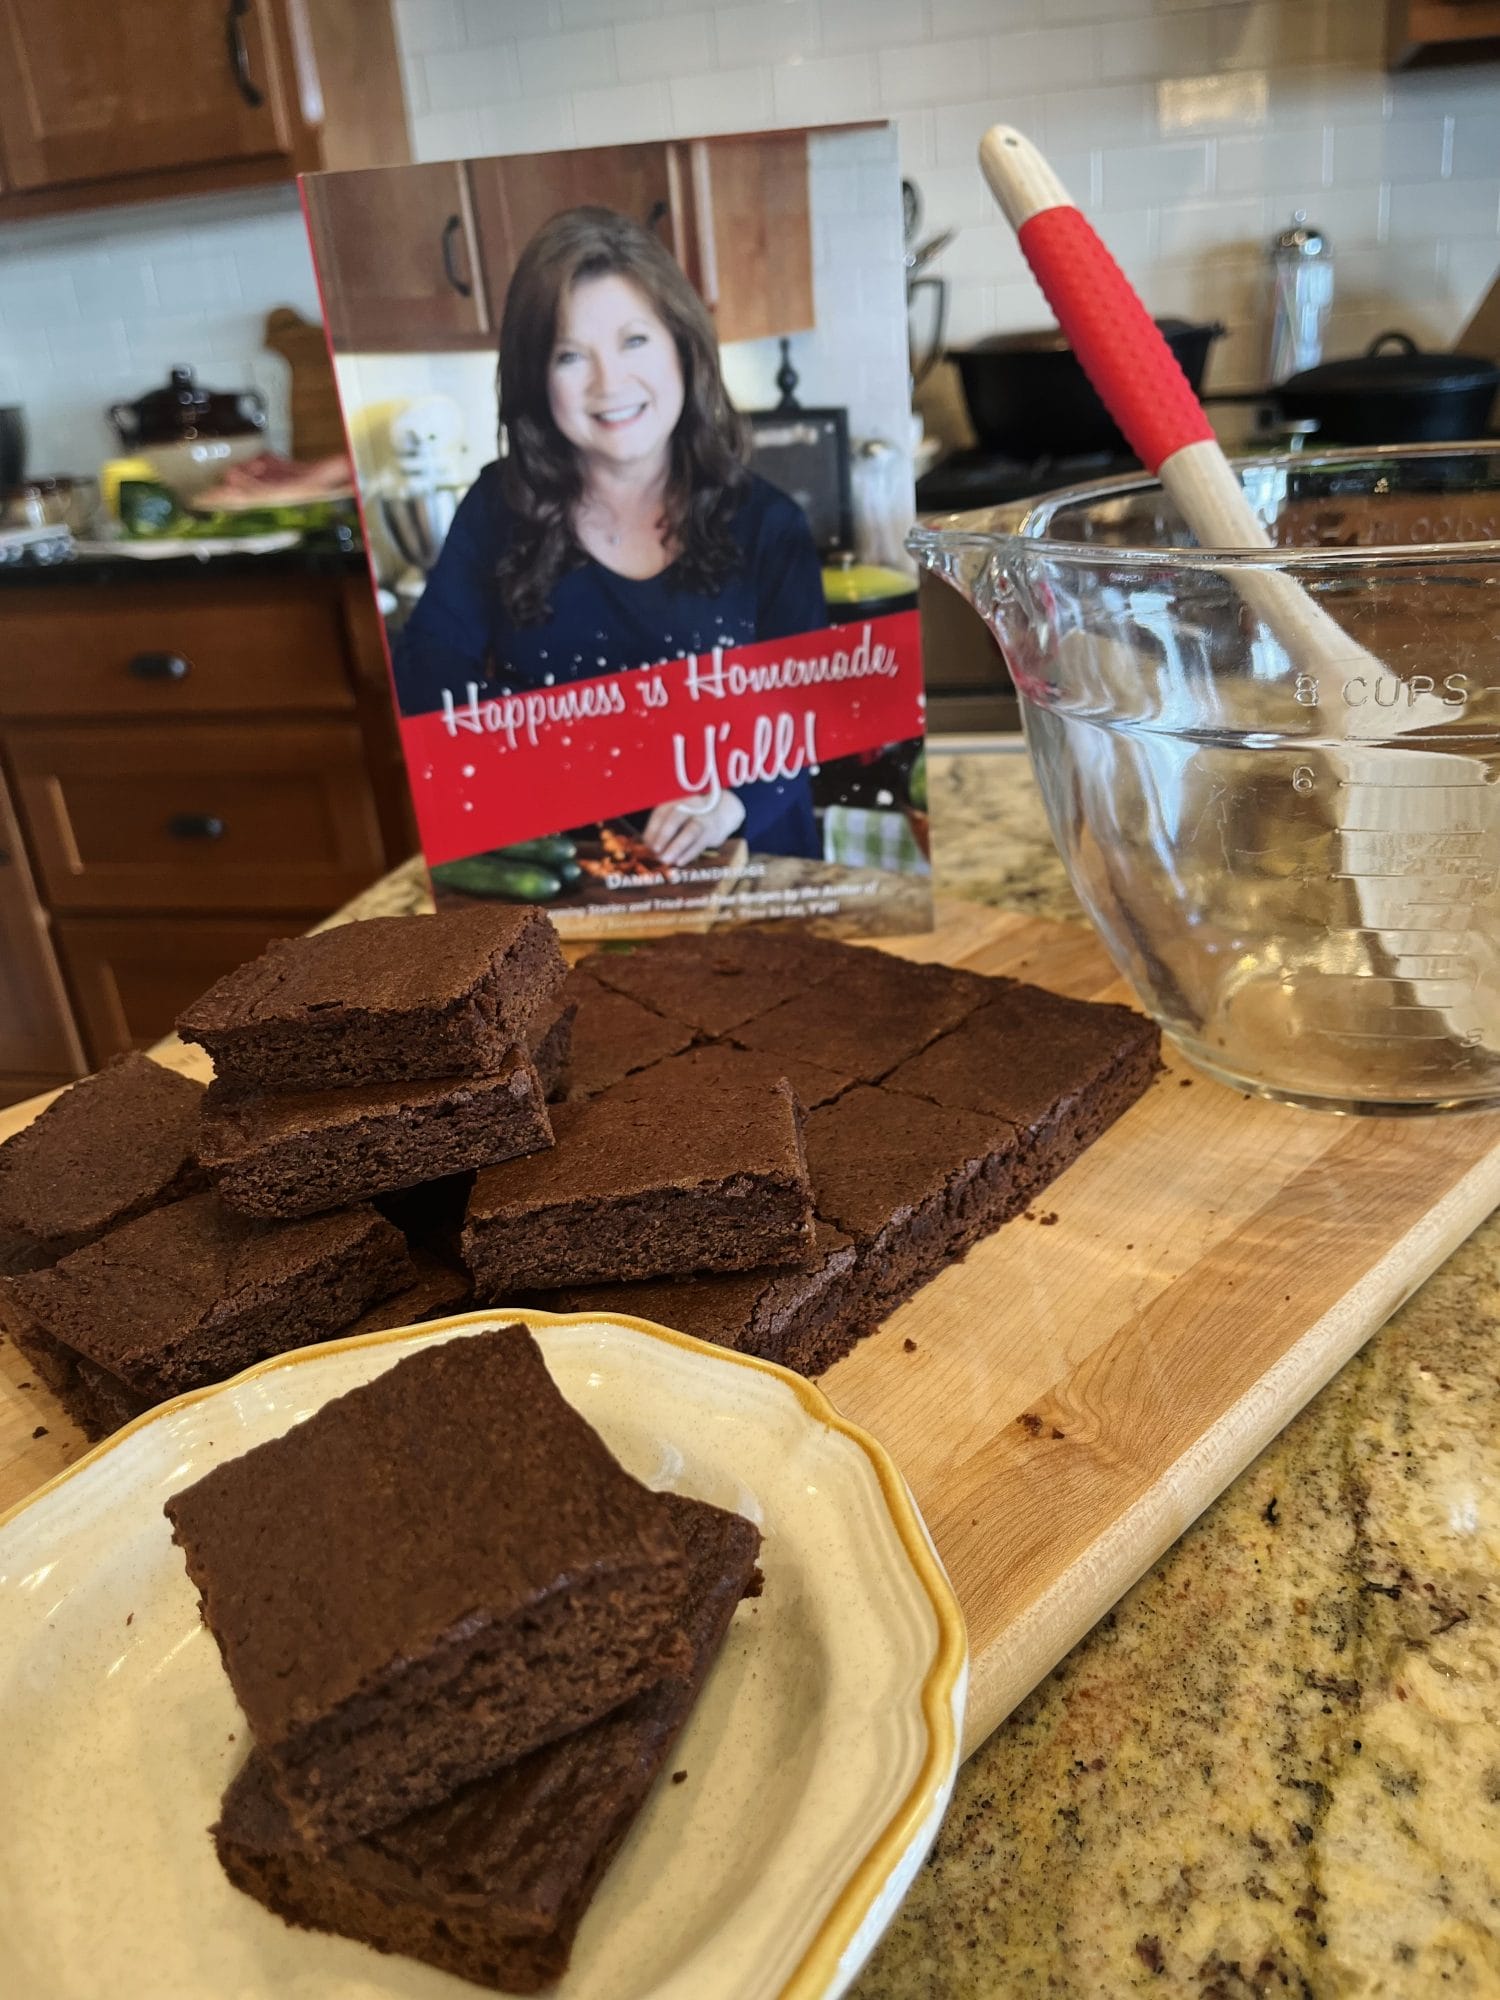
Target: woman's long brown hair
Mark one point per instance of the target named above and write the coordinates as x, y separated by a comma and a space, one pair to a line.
541, 476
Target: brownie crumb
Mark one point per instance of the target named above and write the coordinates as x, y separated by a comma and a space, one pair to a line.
1184, 1083
909, 1346
40, 1431
1048, 1220
1129, 1246
1057, 1433
23, 1385
130, 1618
1030, 1422
679, 1777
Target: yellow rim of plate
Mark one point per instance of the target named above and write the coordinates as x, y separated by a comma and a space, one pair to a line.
819, 1964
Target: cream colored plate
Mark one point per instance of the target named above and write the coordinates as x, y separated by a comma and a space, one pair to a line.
820, 1756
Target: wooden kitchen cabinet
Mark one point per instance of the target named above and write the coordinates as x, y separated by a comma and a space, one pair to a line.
109, 103
39, 1045
398, 261
1434, 31
130, 980
423, 259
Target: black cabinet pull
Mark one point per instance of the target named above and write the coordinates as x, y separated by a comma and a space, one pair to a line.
196, 826
657, 214
459, 283
239, 54
158, 667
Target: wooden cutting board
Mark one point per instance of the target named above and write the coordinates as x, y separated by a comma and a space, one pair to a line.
1065, 1401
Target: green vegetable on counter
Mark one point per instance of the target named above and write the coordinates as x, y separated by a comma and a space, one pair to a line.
916, 784
551, 850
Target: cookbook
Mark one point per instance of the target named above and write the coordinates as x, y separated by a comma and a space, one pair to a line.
632, 433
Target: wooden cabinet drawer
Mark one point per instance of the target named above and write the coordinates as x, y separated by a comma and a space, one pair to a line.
132, 976
171, 649
216, 817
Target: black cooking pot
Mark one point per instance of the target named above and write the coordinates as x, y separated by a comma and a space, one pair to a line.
1401, 396
1029, 398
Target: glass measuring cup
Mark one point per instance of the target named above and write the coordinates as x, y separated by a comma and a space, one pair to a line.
1291, 850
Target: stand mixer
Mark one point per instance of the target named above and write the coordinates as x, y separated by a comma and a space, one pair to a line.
423, 492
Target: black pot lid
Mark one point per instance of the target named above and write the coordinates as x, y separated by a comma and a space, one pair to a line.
1052, 340
1387, 368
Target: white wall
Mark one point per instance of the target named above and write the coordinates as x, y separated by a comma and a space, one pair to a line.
1189, 129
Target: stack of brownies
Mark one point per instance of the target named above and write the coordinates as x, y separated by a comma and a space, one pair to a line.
763, 1138
464, 1639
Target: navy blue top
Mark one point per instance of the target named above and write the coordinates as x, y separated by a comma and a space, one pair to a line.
602, 623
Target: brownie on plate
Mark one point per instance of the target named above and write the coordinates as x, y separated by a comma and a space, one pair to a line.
658, 1177
386, 1001
1061, 1071
913, 1182
190, 1294
804, 1317
293, 1153
874, 1014
436, 1573
491, 1884
107, 1149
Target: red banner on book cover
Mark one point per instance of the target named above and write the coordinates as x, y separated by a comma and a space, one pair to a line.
491, 769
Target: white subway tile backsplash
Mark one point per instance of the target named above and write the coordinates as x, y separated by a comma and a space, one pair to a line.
1109, 114
675, 47
769, 31
527, 125
503, 20
430, 24
973, 17
34, 295
1292, 164
618, 114
183, 283
590, 13
467, 79
857, 26
1235, 102
734, 100
1176, 45
931, 72
1406, 149
1187, 229
1475, 144
1044, 59
446, 135
1140, 176
575, 60
827, 89
1467, 208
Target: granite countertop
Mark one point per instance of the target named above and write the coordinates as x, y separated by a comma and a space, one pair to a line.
310, 558
1274, 1768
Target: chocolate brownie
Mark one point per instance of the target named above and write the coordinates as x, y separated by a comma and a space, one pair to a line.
192, 1293
549, 1036
658, 1177
436, 1573
294, 1153
1059, 1070
714, 983
914, 1183
874, 1014
390, 1000
491, 1884
722, 1062
437, 1290
612, 1037
799, 1317
106, 1150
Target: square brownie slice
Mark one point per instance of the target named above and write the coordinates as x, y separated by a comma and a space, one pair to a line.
437, 1290
713, 983
295, 1153
722, 1062
1060, 1070
914, 1183
435, 1574
658, 1177
192, 1293
613, 1036
106, 1150
874, 1014
390, 1000
804, 1317
491, 1885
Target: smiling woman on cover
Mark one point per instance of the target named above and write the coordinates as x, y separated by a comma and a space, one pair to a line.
622, 527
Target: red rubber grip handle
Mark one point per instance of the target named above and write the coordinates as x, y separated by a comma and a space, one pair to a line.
1136, 374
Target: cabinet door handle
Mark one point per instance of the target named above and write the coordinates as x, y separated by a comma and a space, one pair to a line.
451, 271
239, 54
657, 214
196, 826
157, 667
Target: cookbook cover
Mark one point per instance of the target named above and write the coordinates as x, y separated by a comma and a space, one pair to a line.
632, 432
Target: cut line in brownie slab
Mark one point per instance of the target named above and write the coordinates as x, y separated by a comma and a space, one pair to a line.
913, 1182
875, 1013
717, 982
804, 1318
612, 1037
297, 1153
661, 1176
190, 1294
1060, 1070
108, 1149
389, 1000
723, 1062
436, 1573
491, 1884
